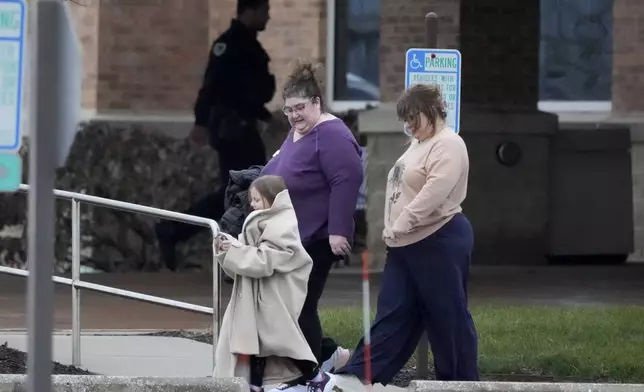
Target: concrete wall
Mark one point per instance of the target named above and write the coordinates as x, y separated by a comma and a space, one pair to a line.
570, 194
591, 192
508, 206
637, 172
615, 179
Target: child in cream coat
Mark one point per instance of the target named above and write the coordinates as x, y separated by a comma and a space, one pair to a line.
271, 270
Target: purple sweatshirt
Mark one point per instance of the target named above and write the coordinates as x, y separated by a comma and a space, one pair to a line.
323, 173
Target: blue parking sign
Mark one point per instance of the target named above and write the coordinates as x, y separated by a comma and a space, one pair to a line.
441, 67
12, 53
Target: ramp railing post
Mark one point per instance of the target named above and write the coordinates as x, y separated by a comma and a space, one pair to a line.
216, 294
76, 242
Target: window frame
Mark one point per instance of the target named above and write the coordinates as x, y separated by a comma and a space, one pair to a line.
575, 106
554, 107
564, 106
332, 103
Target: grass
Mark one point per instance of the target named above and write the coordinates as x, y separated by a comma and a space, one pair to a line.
565, 343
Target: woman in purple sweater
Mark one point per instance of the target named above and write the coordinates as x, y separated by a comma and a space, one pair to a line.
320, 163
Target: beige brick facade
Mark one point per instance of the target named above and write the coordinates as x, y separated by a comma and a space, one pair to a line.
403, 27
628, 56
87, 28
148, 56
297, 29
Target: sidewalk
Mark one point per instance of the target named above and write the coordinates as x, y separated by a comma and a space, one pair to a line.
135, 355
129, 355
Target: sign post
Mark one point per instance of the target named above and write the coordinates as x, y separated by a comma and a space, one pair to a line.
54, 108
13, 18
437, 66
442, 67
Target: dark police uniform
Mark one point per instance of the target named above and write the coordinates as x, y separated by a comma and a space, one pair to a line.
236, 86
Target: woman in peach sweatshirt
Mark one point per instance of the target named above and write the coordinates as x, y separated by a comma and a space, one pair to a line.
429, 245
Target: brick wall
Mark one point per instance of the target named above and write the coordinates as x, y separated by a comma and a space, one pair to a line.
220, 12
149, 56
86, 19
403, 27
499, 42
628, 98
499, 69
628, 56
297, 29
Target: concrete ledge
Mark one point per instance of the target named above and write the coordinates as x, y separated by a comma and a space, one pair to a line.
60, 383
461, 386
384, 119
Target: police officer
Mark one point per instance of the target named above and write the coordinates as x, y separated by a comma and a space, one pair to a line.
228, 114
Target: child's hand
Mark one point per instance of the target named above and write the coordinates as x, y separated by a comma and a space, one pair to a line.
224, 245
225, 241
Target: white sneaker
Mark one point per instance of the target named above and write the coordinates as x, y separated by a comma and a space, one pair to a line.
339, 358
328, 383
289, 387
349, 383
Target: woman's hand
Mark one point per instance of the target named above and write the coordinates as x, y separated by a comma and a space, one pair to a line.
339, 245
388, 234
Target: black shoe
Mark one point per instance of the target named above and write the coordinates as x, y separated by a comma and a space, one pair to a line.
167, 245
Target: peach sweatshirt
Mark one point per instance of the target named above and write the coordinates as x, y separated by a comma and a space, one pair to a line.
425, 188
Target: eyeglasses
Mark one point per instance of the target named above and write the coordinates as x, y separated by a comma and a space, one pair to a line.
295, 109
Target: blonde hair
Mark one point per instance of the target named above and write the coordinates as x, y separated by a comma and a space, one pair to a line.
269, 186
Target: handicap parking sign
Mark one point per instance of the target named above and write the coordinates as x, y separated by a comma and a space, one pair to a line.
441, 67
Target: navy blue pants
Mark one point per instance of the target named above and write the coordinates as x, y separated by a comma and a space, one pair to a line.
424, 288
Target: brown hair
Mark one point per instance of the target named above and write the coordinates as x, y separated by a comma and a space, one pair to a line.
421, 98
305, 81
269, 186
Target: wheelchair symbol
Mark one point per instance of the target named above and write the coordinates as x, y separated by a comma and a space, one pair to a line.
415, 63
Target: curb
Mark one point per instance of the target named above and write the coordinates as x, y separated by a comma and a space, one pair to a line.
96, 332
471, 386
63, 383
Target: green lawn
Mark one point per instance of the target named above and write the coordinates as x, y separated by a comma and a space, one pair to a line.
580, 343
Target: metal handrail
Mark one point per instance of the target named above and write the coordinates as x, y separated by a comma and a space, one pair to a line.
76, 283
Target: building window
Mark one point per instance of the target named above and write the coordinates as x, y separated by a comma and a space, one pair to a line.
575, 67
353, 66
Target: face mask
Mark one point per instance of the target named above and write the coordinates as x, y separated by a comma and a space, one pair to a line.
407, 131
